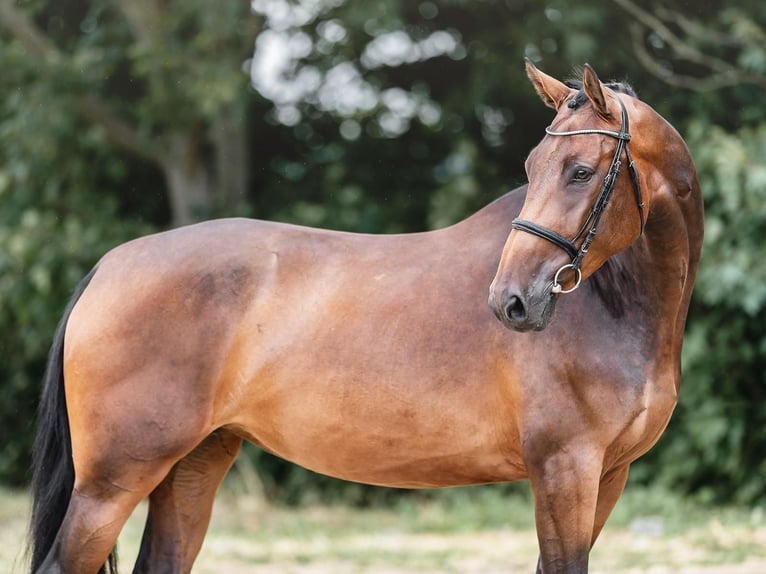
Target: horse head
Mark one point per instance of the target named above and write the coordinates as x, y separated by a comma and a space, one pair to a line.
584, 201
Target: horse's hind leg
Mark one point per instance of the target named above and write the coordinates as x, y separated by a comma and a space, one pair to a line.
98, 508
180, 507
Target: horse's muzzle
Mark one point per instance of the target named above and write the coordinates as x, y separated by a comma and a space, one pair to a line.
523, 311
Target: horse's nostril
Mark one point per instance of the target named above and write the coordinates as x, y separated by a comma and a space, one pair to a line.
515, 309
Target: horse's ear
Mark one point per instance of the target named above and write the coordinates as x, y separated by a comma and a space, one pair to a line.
594, 89
551, 91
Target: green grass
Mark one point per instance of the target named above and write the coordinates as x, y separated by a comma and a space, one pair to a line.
483, 529
14, 511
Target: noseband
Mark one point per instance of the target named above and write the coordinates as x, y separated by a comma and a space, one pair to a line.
569, 245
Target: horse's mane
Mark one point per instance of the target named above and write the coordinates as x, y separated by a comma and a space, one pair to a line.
617, 283
580, 98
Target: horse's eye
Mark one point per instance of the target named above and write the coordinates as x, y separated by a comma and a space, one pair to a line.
582, 174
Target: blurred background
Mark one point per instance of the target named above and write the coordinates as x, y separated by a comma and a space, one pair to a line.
124, 117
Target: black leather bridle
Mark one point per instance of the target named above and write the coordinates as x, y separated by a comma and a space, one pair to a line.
569, 245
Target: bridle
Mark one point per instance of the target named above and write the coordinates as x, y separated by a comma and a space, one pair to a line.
569, 245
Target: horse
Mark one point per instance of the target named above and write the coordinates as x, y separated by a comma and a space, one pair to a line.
375, 358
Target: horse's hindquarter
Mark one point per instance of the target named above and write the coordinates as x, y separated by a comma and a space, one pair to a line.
370, 358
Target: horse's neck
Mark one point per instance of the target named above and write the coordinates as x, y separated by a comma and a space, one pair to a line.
672, 241
666, 258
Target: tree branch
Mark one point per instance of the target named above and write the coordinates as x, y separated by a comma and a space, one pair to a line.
679, 47
697, 30
722, 74
704, 84
28, 35
145, 18
91, 108
119, 132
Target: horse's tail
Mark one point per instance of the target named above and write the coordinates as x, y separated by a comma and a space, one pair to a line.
52, 465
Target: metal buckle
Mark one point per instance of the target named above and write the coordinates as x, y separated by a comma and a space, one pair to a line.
557, 288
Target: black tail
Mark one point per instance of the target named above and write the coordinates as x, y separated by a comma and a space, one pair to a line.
52, 466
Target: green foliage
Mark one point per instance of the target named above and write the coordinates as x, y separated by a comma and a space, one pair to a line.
713, 441
732, 170
59, 214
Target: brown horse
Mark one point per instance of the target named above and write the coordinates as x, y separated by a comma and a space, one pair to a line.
376, 359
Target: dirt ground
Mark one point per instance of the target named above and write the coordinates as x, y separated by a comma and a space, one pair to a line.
479, 553
319, 543
332, 541
476, 553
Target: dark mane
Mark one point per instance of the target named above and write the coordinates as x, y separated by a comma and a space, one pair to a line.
617, 284
581, 97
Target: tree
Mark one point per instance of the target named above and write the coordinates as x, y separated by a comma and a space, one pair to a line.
182, 105
104, 107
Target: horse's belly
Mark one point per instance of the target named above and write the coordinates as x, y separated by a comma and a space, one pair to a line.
379, 401
397, 465
422, 445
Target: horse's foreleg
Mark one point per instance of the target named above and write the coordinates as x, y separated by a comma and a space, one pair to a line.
180, 507
565, 485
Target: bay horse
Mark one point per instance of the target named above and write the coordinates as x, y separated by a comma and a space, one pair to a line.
375, 358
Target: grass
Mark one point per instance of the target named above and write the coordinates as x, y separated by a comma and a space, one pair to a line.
462, 531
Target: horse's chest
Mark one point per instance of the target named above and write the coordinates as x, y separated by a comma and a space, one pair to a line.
645, 413
616, 405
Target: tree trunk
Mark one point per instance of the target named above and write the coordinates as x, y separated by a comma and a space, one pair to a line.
189, 185
228, 134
